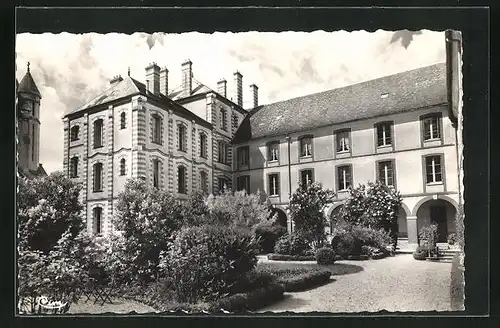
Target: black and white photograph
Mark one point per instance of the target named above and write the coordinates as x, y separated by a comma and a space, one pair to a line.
239, 172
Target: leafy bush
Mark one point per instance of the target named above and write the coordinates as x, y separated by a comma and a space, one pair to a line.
452, 239
268, 235
147, 217
325, 256
376, 206
423, 251
292, 244
457, 284
350, 239
459, 222
238, 209
429, 235
281, 257
195, 211
307, 206
204, 263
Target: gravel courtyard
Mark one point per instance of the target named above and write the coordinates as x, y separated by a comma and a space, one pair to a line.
397, 283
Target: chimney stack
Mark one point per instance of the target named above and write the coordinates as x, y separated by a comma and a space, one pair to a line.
187, 78
222, 87
116, 79
164, 81
238, 81
153, 78
255, 95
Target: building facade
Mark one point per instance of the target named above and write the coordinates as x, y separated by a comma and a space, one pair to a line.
398, 130
178, 140
28, 99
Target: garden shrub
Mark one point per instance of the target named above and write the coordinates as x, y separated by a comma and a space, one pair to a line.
350, 239
297, 278
204, 263
452, 239
280, 257
268, 235
460, 227
292, 244
457, 284
429, 235
307, 206
421, 253
325, 255
250, 301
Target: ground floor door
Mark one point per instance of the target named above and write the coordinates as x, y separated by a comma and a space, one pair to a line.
438, 216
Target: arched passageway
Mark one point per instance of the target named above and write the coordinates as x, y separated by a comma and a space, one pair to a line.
438, 211
336, 218
281, 218
402, 223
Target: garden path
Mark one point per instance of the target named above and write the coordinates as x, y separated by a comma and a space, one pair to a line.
119, 305
398, 283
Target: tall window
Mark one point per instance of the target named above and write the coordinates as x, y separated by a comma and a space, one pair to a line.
123, 120
344, 177
98, 126
181, 137
433, 169
431, 126
243, 154
306, 177
73, 167
122, 166
156, 173
223, 119
97, 226
343, 144
243, 183
222, 183
386, 172
203, 145
306, 146
181, 181
33, 143
274, 184
97, 177
157, 129
223, 150
204, 181
273, 151
384, 131
75, 131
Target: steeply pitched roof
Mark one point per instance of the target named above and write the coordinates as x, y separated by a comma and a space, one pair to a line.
28, 85
198, 88
391, 94
127, 87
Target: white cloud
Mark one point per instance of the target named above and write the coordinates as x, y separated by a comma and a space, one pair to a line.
71, 69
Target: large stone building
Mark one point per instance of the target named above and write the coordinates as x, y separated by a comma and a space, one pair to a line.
176, 139
28, 127
398, 129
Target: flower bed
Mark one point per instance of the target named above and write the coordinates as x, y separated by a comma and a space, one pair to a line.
281, 257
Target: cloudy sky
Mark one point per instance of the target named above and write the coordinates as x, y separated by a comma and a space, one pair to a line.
71, 69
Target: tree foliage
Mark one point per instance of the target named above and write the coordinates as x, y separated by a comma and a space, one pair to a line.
307, 207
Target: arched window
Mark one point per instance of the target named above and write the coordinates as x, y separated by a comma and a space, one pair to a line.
97, 222
73, 167
97, 177
75, 131
122, 166
181, 137
157, 123
223, 119
181, 180
98, 126
203, 145
204, 181
123, 120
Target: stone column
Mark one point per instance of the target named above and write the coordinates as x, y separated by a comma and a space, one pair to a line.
411, 222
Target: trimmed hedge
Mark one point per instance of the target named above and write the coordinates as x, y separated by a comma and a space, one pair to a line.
306, 281
457, 284
281, 257
250, 301
325, 256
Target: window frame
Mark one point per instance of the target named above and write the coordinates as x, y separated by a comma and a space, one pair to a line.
349, 139
240, 151
203, 184
300, 176
276, 191
301, 140
156, 134
393, 168
246, 183
123, 167
423, 118
225, 152
203, 145
223, 119
337, 177
97, 220
225, 181
72, 136
98, 142
73, 167
390, 125
99, 177
183, 190
123, 120
442, 172
156, 173
270, 145
182, 137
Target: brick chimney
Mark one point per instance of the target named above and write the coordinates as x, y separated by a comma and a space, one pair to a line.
164, 81
115, 80
238, 81
222, 87
254, 91
153, 78
187, 78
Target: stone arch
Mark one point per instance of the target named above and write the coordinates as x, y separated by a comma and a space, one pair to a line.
282, 218
406, 209
332, 208
332, 220
426, 198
